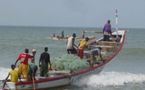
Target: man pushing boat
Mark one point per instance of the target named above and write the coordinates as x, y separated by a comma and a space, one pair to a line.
71, 47
23, 66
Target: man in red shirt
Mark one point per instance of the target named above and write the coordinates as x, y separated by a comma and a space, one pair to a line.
23, 66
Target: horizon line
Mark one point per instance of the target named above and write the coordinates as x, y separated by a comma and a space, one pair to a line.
67, 26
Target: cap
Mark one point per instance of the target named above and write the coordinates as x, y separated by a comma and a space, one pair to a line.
33, 50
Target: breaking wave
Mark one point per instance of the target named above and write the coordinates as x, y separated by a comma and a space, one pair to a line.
105, 79
3, 73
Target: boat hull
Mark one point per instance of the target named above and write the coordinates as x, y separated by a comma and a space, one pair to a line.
45, 85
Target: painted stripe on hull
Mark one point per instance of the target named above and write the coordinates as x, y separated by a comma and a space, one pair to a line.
48, 84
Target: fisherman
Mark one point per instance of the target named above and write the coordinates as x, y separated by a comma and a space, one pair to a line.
32, 66
13, 75
43, 62
71, 47
54, 35
93, 58
83, 34
23, 66
32, 70
94, 54
62, 34
82, 45
107, 31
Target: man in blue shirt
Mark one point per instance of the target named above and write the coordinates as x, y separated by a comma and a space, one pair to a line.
107, 31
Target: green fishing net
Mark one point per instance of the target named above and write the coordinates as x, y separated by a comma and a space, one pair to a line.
69, 62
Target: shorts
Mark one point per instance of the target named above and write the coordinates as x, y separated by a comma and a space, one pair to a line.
80, 53
94, 52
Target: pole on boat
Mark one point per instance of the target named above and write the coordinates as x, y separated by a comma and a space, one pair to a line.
5, 81
116, 22
116, 18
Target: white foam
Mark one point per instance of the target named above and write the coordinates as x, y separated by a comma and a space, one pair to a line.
4, 72
110, 79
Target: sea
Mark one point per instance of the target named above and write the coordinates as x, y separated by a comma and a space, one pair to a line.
125, 72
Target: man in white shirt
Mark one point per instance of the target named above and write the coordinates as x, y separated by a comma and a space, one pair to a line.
71, 44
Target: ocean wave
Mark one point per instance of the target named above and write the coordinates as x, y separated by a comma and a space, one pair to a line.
105, 79
3, 72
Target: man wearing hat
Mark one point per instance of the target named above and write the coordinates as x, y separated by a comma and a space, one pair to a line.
32, 66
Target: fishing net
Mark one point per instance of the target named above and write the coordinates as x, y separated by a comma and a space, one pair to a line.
69, 62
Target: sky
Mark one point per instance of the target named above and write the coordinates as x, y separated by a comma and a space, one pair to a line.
72, 13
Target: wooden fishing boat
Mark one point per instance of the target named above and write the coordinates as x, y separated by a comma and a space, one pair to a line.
60, 78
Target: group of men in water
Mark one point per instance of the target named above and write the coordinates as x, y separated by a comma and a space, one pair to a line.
27, 70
